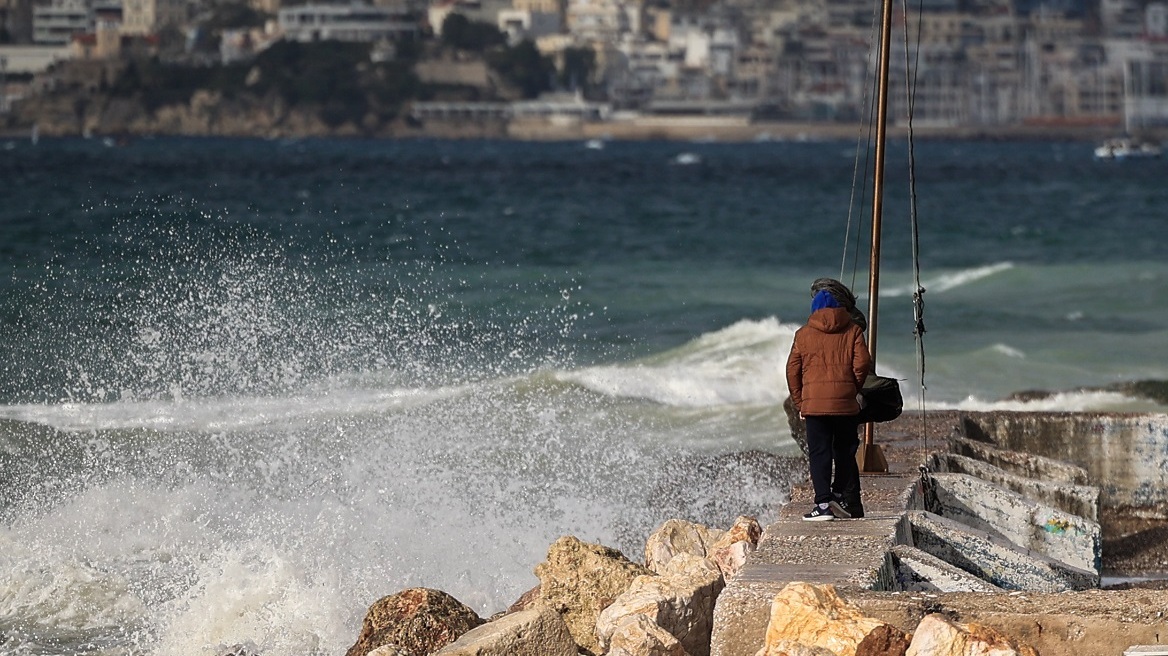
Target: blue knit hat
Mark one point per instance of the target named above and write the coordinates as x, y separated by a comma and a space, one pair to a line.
823, 299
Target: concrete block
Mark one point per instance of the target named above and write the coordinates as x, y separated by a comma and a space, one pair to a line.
1081, 500
994, 559
1022, 463
1026, 523
1126, 455
918, 571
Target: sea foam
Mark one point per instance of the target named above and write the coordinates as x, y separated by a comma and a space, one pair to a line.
742, 364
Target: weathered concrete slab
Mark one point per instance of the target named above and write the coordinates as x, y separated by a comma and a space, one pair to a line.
918, 571
1026, 523
1081, 500
1125, 455
992, 558
1030, 465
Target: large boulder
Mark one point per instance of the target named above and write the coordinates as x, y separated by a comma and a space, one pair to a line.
679, 600
538, 631
815, 616
637, 635
578, 580
730, 550
727, 549
938, 636
677, 536
416, 621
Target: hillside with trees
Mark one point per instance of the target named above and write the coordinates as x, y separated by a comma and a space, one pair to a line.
289, 88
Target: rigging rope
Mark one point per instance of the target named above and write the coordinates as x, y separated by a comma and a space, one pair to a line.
911, 79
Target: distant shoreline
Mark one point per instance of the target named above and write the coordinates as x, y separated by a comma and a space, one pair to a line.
697, 129
648, 128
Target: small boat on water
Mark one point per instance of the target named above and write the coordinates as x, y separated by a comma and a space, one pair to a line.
1127, 148
1138, 112
594, 144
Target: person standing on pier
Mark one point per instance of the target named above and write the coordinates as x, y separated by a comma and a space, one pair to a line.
826, 369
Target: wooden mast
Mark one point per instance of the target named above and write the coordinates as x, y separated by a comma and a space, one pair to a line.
870, 458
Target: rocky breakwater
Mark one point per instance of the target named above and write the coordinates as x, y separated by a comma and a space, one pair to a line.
593, 600
1011, 523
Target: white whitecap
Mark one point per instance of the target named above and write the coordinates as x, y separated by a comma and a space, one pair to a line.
948, 281
741, 364
1071, 401
1007, 350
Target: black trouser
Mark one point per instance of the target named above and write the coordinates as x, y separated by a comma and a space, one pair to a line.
833, 439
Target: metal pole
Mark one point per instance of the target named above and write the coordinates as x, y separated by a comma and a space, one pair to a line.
872, 460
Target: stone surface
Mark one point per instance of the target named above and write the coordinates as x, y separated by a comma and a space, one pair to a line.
993, 558
678, 536
578, 580
1079, 499
884, 640
938, 636
680, 600
852, 554
538, 631
730, 551
815, 616
788, 648
1027, 523
387, 650
415, 620
1125, 454
917, 571
637, 635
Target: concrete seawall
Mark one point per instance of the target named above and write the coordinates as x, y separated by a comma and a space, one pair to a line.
1006, 504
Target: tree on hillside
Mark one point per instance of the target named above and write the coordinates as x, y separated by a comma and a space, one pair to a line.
460, 32
523, 67
579, 66
235, 15
322, 74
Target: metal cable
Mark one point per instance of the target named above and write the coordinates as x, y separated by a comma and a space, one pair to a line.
911, 78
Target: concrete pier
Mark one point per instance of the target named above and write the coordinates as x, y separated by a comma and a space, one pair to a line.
1008, 503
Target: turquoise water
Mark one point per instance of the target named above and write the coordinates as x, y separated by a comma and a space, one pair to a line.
247, 387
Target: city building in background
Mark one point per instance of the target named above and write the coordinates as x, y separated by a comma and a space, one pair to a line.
976, 62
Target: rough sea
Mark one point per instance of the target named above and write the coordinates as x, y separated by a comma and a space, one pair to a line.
248, 387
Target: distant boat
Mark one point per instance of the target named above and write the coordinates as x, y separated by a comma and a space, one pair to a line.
1138, 106
594, 144
1127, 148
687, 159
35, 135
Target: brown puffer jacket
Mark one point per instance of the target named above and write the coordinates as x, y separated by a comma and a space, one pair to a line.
828, 364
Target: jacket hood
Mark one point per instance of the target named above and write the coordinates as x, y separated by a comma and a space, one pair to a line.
830, 320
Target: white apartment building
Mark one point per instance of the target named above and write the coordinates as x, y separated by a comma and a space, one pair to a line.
352, 22
55, 22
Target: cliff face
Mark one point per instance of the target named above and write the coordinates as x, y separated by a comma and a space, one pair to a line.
288, 90
207, 113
